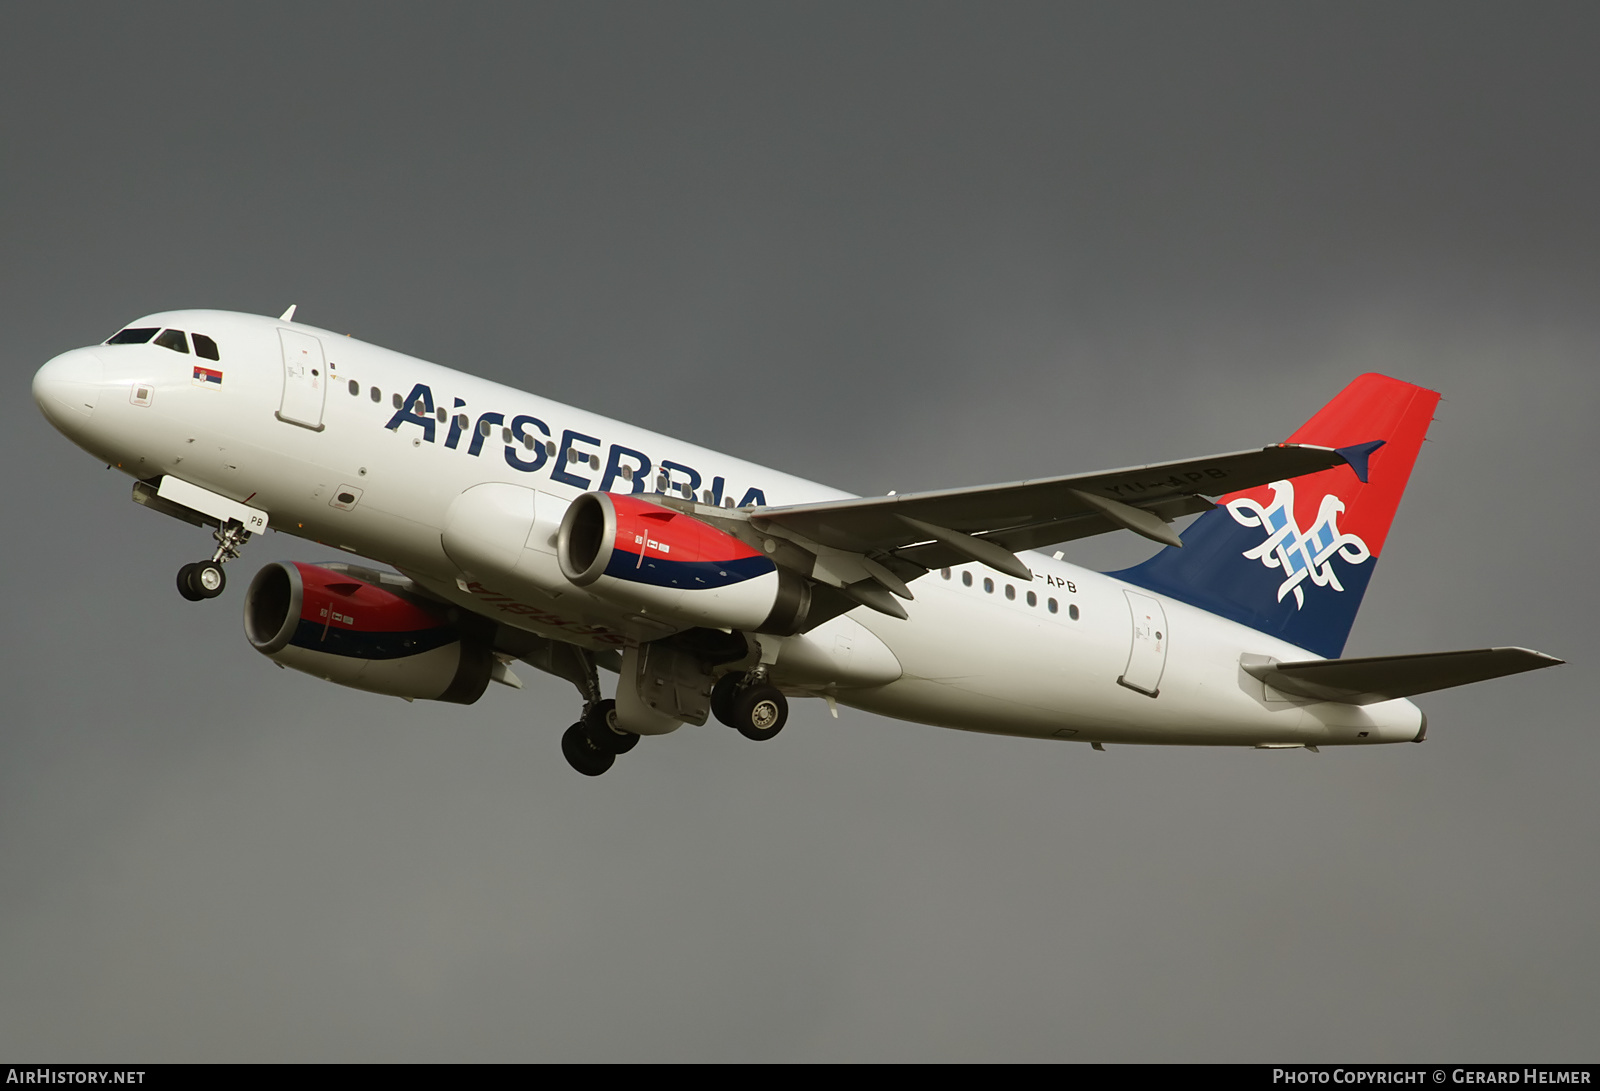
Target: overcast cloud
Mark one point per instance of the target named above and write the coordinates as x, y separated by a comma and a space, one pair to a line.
886, 246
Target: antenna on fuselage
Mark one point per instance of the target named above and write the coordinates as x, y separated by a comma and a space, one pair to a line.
288, 315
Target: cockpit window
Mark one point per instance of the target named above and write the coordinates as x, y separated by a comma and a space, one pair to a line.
174, 340
133, 335
205, 348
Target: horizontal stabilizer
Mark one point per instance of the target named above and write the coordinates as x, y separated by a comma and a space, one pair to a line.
1386, 677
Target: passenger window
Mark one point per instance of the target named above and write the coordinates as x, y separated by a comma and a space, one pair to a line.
1052, 605
355, 389
527, 441
966, 579
443, 414
377, 395
1011, 592
1033, 600
550, 447
988, 585
399, 403
461, 421
205, 348
174, 340
945, 572
483, 428
131, 336
1072, 611
505, 435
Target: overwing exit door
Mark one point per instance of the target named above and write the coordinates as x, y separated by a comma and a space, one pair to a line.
305, 380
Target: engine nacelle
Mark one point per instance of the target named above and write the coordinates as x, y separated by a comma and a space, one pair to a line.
673, 566
358, 633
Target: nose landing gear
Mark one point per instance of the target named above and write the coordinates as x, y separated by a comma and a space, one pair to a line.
205, 579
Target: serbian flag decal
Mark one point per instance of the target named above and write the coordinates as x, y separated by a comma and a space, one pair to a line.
207, 376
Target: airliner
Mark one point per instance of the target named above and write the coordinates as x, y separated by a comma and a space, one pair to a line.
516, 530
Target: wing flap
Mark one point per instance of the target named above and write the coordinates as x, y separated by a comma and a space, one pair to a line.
1386, 677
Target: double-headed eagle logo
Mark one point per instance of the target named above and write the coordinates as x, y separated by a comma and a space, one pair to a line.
1300, 555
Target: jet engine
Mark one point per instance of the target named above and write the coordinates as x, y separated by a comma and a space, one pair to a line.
359, 633
673, 566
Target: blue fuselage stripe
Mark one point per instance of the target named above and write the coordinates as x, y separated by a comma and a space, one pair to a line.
690, 575
317, 636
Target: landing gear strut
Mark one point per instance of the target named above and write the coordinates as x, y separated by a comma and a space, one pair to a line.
749, 705
205, 579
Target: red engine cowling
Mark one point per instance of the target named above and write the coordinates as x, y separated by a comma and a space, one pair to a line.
673, 566
358, 633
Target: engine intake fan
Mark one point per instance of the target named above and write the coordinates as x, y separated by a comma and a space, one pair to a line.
676, 567
357, 633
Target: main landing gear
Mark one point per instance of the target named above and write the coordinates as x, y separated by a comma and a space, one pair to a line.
750, 705
591, 745
205, 579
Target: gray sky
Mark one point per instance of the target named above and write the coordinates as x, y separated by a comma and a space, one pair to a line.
888, 247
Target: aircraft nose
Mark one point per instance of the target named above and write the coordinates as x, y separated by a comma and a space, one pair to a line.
68, 388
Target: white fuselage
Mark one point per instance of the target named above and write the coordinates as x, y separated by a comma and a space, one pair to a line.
980, 651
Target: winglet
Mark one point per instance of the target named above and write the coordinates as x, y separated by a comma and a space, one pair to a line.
288, 315
1357, 454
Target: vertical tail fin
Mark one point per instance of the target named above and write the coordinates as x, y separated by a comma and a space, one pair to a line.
1293, 558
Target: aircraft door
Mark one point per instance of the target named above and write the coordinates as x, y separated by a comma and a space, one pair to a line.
1147, 658
305, 380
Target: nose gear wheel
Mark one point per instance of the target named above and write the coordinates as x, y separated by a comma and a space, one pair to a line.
205, 579
201, 580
